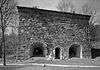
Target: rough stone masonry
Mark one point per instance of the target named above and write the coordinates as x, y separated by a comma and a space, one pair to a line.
54, 34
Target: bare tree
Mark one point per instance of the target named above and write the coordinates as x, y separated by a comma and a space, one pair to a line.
65, 5
9, 18
89, 9
68, 6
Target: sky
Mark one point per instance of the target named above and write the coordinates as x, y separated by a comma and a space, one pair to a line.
45, 4
52, 4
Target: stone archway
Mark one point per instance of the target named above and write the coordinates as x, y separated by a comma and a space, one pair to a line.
57, 53
0, 51
95, 53
74, 51
37, 50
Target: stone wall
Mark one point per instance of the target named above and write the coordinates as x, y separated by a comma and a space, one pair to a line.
54, 29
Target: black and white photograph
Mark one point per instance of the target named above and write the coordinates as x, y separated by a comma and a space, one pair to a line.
49, 34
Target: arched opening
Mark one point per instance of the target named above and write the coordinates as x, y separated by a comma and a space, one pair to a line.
57, 53
37, 50
74, 51
95, 53
1, 51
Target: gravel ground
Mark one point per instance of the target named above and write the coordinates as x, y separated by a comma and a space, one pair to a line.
73, 61
47, 68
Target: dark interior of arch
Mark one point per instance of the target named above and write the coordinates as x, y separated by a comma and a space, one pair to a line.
74, 51
95, 53
1, 51
37, 50
57, 53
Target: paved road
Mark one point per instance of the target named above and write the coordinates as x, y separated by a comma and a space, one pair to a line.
47, 67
